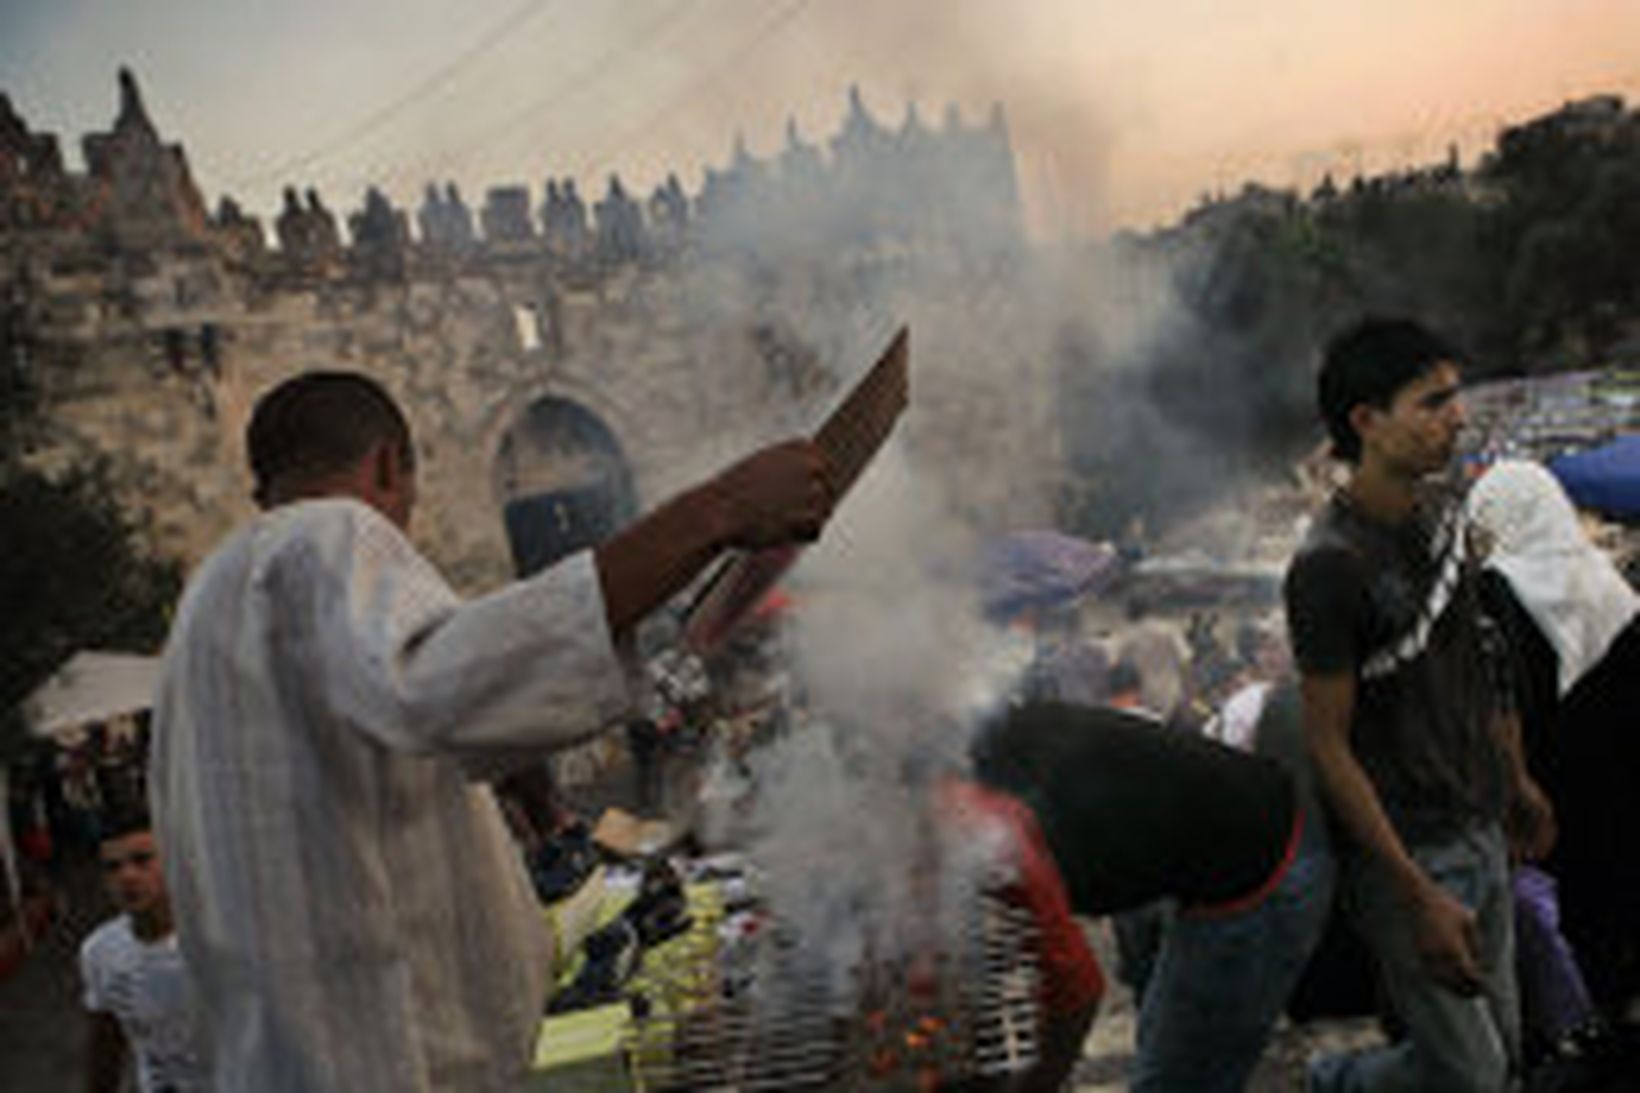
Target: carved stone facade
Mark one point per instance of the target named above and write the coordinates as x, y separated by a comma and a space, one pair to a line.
309, 242
143, 194
506, 216
35, 192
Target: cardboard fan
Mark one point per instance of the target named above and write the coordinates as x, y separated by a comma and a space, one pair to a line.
850, 437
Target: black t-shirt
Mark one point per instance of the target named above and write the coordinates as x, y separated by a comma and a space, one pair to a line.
1135, 812
1398, 606
1533, 666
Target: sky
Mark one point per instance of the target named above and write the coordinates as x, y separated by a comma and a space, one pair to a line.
1122, 114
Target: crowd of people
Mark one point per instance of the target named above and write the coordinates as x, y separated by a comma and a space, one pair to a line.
1458, 684
1429, 742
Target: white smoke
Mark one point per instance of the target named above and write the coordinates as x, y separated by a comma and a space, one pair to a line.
893, 656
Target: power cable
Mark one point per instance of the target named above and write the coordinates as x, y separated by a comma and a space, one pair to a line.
431, 83
561, 92
782, 18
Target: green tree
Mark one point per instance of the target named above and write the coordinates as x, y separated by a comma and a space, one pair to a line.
72, 576
74, 573
1563, 234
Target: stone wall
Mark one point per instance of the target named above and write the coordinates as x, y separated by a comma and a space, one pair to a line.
687, 367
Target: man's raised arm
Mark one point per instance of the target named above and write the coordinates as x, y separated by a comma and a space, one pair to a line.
781, 494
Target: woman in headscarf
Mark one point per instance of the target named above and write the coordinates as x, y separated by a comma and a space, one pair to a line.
1573, 625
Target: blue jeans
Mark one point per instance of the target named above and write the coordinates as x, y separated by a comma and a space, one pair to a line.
1221, 981
1139, 934
1453, 1043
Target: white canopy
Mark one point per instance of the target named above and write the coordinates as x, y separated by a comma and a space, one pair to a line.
92, 687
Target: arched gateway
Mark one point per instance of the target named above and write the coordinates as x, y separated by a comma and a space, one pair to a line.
562, 481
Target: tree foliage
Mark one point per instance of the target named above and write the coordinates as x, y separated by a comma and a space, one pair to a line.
1565, 235
74, 573
1528, 262
72, 576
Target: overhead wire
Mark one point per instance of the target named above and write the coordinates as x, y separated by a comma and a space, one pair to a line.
783, 18
427, 86
560, 93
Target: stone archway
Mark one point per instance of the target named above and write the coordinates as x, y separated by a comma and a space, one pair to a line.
562, 481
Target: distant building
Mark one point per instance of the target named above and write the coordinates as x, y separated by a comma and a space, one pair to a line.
1601, 119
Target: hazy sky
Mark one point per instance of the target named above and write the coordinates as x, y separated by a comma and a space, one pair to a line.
1122, 112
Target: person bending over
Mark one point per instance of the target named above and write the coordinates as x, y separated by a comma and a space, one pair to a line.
1131, 815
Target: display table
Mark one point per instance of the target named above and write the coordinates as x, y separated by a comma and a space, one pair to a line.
593, 1048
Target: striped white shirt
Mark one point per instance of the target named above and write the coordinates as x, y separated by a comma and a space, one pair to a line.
351, 911
141, 984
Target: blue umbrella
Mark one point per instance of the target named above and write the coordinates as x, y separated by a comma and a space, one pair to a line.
1606, 478
1042, 569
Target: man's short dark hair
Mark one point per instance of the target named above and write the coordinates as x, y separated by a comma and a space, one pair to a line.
125, 818
319, 423
1368, 363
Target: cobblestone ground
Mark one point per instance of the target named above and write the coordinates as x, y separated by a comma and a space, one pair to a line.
42, 1028
1109, 1050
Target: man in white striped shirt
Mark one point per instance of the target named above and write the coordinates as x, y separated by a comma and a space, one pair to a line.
350, 910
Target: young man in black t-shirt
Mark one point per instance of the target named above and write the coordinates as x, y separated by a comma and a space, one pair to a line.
1416, 755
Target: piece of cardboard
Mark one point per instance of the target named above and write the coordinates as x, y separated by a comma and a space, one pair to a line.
849, 438
582, 1051
620, 832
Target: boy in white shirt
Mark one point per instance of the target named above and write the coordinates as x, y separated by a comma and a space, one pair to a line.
135, 990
